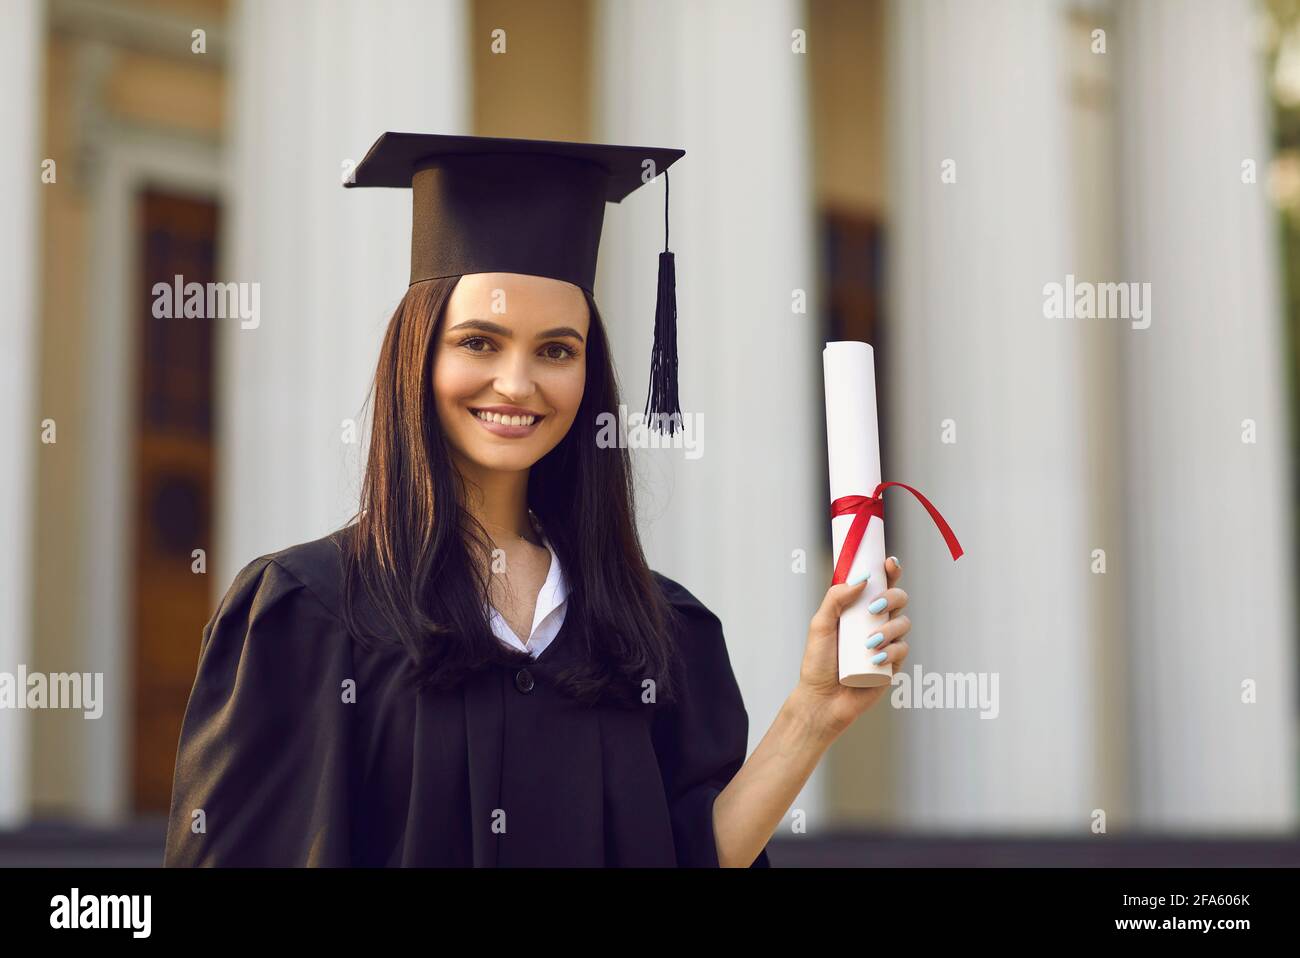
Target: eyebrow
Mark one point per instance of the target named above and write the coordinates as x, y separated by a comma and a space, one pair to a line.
505, 331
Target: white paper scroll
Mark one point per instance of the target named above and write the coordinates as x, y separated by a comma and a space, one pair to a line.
853, 449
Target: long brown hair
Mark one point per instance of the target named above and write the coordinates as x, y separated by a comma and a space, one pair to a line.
421, 560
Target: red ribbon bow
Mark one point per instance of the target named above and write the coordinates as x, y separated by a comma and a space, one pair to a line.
862, 508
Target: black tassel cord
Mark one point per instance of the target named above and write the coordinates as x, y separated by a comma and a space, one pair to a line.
662, 405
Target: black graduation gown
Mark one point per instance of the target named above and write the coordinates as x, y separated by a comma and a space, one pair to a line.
502, 771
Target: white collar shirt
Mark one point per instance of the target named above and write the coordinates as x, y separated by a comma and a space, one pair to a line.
552, 602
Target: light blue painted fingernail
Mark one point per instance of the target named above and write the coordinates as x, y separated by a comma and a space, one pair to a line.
860, 577
875, 640
897, 563
878, 605
878, 658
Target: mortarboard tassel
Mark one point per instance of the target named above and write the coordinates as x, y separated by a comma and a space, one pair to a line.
662, 406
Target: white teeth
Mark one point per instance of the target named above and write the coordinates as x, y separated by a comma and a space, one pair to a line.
505, 420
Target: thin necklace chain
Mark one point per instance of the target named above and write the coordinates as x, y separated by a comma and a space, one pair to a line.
536, 524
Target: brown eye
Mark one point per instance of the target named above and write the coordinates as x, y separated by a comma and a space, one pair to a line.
566, 352
473, 339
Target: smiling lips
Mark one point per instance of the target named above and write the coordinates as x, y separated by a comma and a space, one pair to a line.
507, 426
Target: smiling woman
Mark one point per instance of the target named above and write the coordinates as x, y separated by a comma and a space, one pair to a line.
519, 377
482, 668
446, 493
407, 732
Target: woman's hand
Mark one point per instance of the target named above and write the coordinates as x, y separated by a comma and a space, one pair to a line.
830, 704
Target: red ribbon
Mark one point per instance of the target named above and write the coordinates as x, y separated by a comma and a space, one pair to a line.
862, 508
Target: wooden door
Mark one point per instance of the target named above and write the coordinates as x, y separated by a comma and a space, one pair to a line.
173, 483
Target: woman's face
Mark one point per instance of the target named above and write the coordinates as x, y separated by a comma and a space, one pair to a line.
514, 345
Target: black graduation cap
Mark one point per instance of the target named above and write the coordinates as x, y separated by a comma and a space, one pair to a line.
485, 204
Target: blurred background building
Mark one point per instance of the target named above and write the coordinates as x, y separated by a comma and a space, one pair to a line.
912, 174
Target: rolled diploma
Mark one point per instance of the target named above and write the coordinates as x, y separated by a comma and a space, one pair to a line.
853, 454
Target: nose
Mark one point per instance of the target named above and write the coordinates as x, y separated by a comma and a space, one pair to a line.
514, 376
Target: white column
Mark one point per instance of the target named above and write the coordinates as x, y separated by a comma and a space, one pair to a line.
21, 43
314, 85
1210, 548
720, 80
981, 86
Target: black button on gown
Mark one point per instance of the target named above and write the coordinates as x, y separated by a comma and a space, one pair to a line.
503, 771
